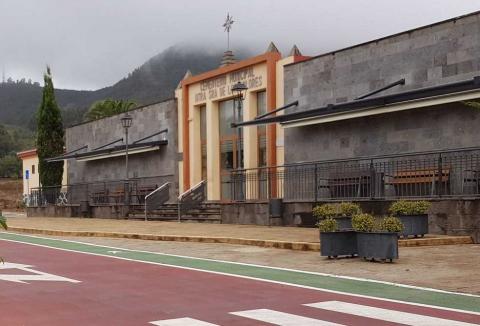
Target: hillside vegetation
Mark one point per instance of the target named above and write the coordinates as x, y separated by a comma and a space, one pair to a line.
153, 81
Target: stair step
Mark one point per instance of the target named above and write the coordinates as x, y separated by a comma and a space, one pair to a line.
205, 212
175, 218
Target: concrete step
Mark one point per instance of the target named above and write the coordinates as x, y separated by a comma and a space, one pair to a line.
185, 218
206, 212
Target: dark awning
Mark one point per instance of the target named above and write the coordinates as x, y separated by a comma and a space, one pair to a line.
362, 104
120, 150
106, 151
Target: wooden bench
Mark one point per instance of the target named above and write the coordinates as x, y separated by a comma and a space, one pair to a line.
417, 182
349, 184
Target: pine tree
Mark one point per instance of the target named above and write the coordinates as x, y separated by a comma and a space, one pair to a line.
50, 142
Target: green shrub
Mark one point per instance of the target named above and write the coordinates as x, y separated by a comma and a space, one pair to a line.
349, 209
3, 222
420, 207
403, 207
328, 225
325, 211
391, 224
363, 222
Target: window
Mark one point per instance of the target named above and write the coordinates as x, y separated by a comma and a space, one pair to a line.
228, 136
33, 169
203, 139
228, 145
262, 130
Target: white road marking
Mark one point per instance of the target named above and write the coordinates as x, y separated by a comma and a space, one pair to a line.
282, 318
181, 322
36, 276
386, 314
113, 252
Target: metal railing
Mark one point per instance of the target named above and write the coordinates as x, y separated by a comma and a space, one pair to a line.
191, 198
157, 198
112, 192
435, 174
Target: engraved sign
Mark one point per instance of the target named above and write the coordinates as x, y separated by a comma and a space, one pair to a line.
220, 87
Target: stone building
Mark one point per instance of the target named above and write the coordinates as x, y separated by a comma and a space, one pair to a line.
385, 120
152, 157
380, 121
96, 163
430, 56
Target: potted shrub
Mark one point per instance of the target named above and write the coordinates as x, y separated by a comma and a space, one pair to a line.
377, 240
347, 211
342, 212
325, 211
334, 242
413, 215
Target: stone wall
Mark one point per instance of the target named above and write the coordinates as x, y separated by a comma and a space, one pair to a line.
430, 56
146, 121
447, 126
445, 217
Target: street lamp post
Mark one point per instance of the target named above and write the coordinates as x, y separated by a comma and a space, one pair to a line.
240, 91
126, 123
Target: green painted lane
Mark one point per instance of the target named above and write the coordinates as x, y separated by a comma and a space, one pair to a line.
348, 286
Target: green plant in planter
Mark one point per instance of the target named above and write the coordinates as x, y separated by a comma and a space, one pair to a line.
3, 224
420, 207
390, 224
403, 207
328, 225
325, 211
349, 209
363, 223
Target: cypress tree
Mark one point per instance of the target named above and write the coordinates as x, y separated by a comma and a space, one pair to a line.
50, 142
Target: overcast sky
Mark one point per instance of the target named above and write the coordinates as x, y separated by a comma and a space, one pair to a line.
93, 43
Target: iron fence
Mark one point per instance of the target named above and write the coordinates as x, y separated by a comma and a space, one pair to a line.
451, 173
113, 192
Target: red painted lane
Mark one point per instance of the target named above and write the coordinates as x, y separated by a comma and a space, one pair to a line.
119, 292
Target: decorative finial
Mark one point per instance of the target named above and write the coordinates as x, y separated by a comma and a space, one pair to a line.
295, 51
272, 48
188, 74
228, 26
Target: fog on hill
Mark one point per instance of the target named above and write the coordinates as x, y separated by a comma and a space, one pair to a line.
153, 81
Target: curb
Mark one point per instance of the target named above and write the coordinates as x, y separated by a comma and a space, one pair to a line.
302, 246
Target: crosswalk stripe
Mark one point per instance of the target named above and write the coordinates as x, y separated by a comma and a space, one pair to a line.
181, 322
282, 318
386, 314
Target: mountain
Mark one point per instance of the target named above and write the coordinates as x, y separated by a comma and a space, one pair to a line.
153, 81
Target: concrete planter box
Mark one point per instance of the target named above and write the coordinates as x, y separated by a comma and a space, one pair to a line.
344, 222
416, 225
340, 243
377, 245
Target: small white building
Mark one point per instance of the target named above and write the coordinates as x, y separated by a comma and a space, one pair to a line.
29, 170
31, 177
